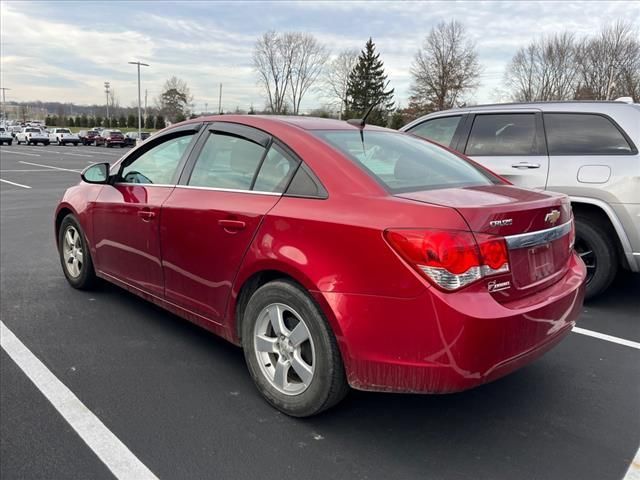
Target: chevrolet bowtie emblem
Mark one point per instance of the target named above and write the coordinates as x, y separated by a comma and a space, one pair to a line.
552, 216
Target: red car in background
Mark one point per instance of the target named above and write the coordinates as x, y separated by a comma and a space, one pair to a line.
335, 254
87, 137
109, 138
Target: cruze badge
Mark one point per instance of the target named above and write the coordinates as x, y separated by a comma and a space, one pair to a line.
501, 223
552, 216
494, 286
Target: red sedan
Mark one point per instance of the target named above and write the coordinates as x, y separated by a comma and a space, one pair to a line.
336, 255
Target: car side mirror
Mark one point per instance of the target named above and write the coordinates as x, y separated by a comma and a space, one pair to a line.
96, 173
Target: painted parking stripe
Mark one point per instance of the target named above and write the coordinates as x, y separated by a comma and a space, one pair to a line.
20, 153
113, 453
30, 170
14, 183
608, 338
634, 469
52, 168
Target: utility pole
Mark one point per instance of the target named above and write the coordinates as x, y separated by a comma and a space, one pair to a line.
4, 113
206, 108
107, 85
145, 105
220, 100
145, 99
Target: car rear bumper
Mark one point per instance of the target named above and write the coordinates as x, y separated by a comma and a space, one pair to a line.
440, 343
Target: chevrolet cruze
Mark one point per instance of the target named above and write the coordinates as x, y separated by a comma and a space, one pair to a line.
336, 254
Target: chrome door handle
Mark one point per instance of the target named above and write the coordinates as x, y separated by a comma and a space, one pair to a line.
146, 215
525, 165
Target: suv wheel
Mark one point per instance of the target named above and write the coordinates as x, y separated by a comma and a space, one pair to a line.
597, 249
291, 351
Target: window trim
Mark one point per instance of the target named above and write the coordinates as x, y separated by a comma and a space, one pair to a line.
634, 149
541, 138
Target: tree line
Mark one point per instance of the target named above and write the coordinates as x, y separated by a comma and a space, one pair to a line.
445, 72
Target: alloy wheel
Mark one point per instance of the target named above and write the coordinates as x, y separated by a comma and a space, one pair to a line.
284, 349
72, 252
585, 252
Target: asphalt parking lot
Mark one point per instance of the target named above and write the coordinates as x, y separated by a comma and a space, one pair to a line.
181, 400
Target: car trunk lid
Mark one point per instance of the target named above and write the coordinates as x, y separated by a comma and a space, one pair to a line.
536, 226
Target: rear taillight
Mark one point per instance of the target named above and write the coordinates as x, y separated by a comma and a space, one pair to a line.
450, 259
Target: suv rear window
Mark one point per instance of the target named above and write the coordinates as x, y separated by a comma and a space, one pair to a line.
583, 134
403, 163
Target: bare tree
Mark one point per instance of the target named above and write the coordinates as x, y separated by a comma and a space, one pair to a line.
336, 78
308, 57
272, 63
544, 70
287, 64
445, 68
609, 64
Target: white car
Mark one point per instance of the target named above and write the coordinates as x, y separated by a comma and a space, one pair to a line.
32, 136
5, 136
62, 136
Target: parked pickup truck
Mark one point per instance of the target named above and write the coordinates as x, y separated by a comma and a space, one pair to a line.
62, 136
32, 136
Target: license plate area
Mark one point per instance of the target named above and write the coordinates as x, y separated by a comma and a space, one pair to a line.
541, 262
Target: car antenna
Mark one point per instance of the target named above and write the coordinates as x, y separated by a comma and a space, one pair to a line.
361, 122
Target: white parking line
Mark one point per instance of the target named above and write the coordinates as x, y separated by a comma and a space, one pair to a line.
30, 170
73, 154
20, 153
113, 453
52, 168
14, 183
608, 338
634, 469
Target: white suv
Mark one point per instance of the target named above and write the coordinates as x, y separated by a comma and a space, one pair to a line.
62, 136
587, 150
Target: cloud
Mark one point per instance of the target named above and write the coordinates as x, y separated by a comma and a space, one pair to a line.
67, 57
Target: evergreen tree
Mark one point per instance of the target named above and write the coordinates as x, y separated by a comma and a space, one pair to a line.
71, 122
160, 122
148, 124
84, 120
122, 121
54, 121
368, 85
47, 121
97, 121
132, 121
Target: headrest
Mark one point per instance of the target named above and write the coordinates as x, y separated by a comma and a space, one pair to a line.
407, 169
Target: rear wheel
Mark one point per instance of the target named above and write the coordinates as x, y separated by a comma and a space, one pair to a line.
75, 257
291, 351
597, 249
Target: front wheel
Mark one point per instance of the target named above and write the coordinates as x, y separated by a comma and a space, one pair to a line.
75, 257
291, 351
597, 249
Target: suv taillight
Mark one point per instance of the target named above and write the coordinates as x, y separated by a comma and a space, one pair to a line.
450, 259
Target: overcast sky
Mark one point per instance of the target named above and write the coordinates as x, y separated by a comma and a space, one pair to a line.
64, 51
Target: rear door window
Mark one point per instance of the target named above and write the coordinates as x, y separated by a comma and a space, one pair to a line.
503, 135
228, 162
275, 172
440, 130
584, 134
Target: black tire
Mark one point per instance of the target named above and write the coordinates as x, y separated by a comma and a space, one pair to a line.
87, 275
10, 143
75, 144
328, 385
597, 248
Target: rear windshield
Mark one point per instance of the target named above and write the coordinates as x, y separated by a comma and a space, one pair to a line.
64, 130
33, 130
403, 163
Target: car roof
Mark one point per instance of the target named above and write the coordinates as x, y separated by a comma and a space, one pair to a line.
573, 105
303, 122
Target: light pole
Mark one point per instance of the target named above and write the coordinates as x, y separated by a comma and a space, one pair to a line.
139, 100
4, 114
106, 91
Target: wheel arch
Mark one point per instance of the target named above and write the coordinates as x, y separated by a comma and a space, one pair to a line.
61, 212
599, 210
